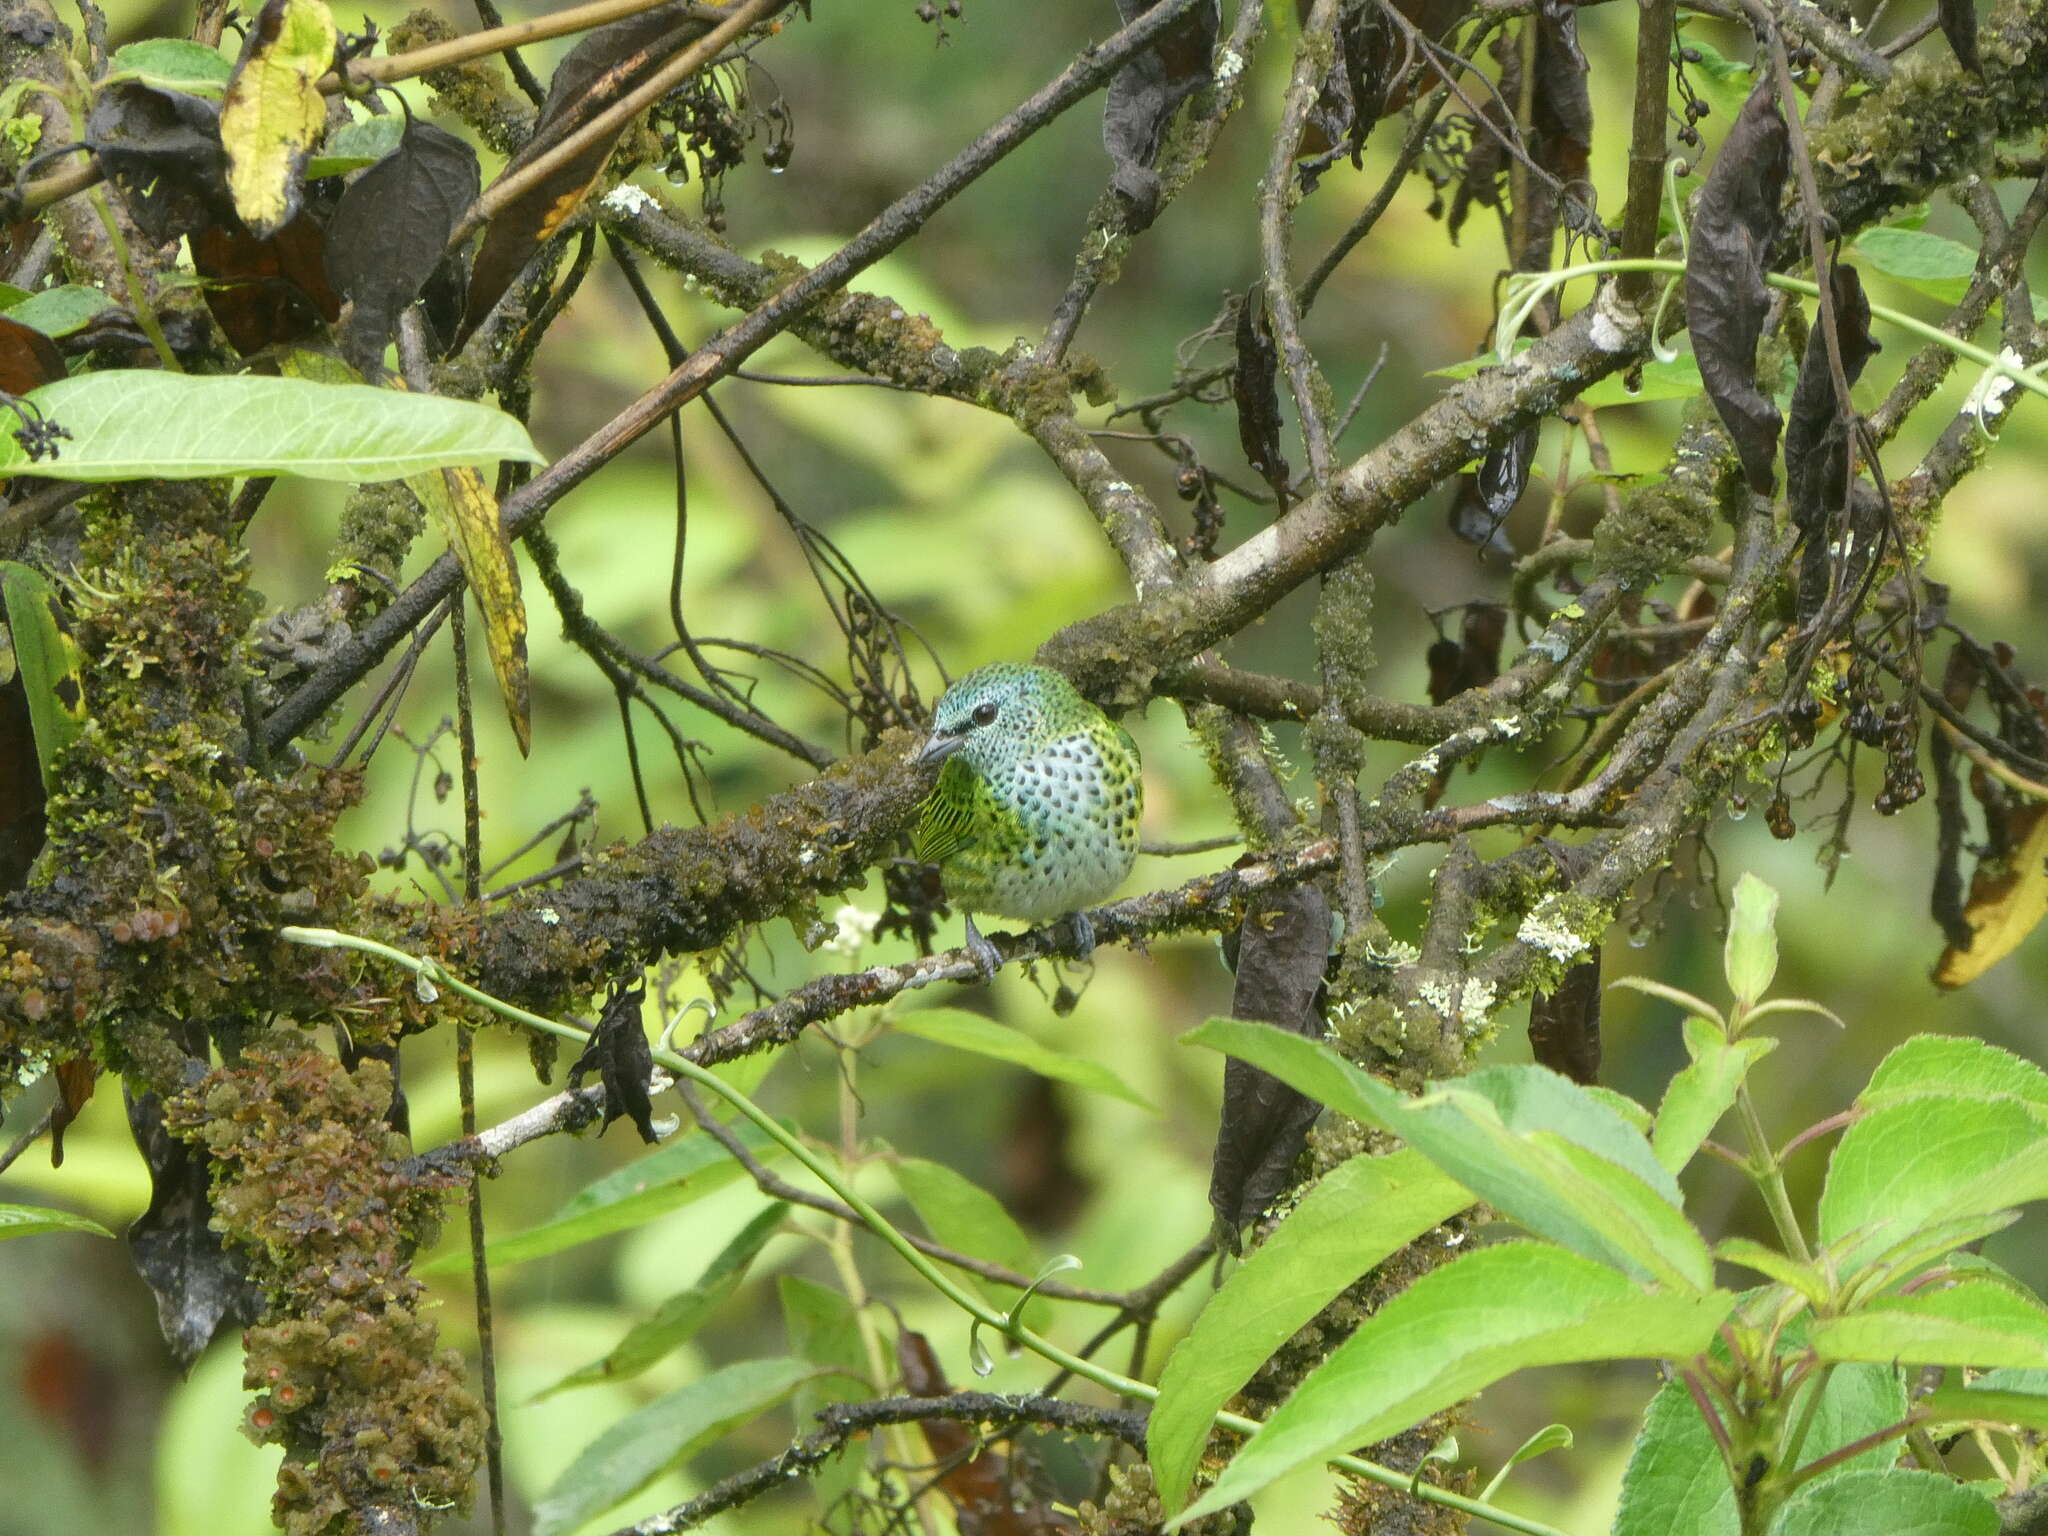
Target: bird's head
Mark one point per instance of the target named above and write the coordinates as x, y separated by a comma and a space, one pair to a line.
1000, 714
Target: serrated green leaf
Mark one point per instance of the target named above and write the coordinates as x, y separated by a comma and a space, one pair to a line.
1975, 1322
48, 662
1676, 1481
58, 311
172, 64
1750, 955
645, 1443
1907, 1258
677, 1319
1917, 1160
1703, 1091
1543, 1151
964, 1031
1806, 1279
28, 1220
274, 111
1886, 1501
140, 424
963, 1216
1958, 1066
1632, 1113
1356, 1214
355, 145
672, 1176
1454, 1331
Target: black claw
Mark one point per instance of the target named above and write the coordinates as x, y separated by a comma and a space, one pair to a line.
984, 954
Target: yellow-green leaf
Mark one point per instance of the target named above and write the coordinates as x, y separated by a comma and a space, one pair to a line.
467, 514
274, 111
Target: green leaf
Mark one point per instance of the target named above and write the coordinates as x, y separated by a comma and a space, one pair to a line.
1912, 1254
274, 111
11, 295
171, 64
1630, 1111
140, 424
1551, 1437
1357, 1214
355, 145
466, 514
678, 1318
48, 662
59, 311
1925, 1159
1750, 956
1679, 380
2008, 1397
824, 1329
1543, 1151
965, 1031
1936, 266
1886, 1501
672, 1176
28, 1220
1455, 1331
1700, 1094
1975, 1322
1697, 1006
1676, 1481
1957, 1066
1806, 1279
645, 1443
962, 1215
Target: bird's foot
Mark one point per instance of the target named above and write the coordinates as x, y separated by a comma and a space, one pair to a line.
986, 958
1080, 935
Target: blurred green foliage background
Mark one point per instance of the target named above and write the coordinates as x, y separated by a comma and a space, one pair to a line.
961, 526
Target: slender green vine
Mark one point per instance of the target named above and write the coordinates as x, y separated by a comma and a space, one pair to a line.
432, 974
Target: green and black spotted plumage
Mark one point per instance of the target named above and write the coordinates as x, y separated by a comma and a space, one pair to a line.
1035, 814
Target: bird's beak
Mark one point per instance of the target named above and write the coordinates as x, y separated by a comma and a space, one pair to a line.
937, 749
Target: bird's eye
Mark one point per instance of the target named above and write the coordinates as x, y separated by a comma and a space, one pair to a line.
984, 714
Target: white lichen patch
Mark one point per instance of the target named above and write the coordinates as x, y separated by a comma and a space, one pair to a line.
1988, 399
1475, 1002
1605, 334
1229, 65
627, 198
549, 917
1542, 931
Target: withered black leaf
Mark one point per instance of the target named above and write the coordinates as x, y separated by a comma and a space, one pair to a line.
162, 150
1253, 388
1564, 1025
266, 292
200, 1286
1735, 223
1817, 433
391, 228
1483, 500
1282, 948
1144, 96
618, 1052
1959, 25
1561, 108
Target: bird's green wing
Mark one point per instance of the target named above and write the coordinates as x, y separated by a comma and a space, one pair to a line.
947, 819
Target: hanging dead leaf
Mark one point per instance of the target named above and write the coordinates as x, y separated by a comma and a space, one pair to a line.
1143, 97
1482, 501
266, 292
620, 1055
391, 231
1283, 946
27, 358
162, 151
1735, 223
467, 514
1253, 386
274, 111
1959, 26
2008, 899
608, 64
1564, 1025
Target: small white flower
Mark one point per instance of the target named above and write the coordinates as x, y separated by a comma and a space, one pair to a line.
549, 917
856, 927
1229, 66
